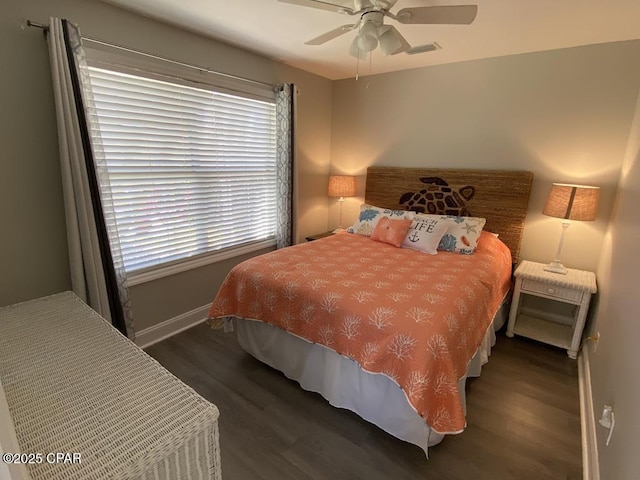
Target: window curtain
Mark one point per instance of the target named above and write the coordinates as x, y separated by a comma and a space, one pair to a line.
97, 268
285, 121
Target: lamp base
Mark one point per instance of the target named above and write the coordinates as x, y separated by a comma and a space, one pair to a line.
556, 267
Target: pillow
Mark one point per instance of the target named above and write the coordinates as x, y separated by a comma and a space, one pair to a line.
391, 231
462, 235
370, 215
425, 234
487, 241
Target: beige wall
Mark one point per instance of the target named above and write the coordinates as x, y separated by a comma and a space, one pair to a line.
563, 114
615, 364
33, 250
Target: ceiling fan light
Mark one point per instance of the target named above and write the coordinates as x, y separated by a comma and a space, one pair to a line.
355, 51
366, 43
367, 38
369, 29
389, 43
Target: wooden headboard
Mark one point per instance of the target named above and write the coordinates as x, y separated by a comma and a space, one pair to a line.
500, 196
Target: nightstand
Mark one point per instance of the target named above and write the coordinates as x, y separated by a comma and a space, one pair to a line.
317, 236
550, 307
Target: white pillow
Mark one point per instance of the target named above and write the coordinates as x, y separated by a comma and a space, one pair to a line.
425, 234
462, 235
370, 215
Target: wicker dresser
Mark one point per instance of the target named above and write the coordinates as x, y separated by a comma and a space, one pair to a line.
74, 385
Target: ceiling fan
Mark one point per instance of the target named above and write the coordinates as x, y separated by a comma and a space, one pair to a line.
374, 32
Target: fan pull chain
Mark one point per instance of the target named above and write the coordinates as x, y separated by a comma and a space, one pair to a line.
370, 63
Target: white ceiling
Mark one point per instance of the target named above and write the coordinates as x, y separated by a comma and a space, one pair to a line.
502, 27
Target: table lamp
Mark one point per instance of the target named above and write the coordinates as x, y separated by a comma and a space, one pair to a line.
570, 202
341, 186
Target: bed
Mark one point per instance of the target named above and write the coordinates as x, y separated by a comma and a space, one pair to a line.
388, 333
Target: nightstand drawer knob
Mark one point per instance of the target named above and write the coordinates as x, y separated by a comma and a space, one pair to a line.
550, 290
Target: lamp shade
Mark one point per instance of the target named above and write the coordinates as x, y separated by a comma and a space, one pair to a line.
572, 202
342, 186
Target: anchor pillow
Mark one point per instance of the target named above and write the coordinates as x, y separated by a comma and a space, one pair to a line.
425, 234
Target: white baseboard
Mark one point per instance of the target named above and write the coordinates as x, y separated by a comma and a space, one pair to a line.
147, 337
590, 463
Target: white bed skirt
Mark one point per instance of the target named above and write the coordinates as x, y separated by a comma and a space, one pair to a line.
374, 397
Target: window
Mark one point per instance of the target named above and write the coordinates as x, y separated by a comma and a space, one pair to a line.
192, 170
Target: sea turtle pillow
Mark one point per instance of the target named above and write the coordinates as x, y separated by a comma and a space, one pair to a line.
462, 233
370, 216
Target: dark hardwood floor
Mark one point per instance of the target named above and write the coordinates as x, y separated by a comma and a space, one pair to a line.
523, 419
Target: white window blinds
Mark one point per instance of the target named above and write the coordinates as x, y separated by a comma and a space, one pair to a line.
192, 171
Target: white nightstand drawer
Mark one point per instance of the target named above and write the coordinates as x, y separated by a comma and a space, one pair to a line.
552, 290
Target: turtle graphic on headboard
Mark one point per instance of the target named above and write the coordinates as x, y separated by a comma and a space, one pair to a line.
439, 198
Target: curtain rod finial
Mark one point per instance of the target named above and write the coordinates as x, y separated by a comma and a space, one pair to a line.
24, 23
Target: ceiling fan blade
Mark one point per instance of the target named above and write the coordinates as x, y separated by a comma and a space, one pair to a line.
451, 15
391, 42
428, 47
385, 4
322, 5
336, 32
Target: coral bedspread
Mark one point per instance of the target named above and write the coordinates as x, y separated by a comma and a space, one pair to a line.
414, 317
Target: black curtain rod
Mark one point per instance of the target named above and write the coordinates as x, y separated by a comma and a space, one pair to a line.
156, 57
